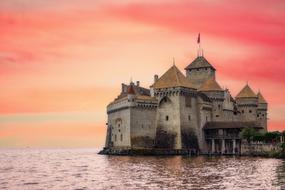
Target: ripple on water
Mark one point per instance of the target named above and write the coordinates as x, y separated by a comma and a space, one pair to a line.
84, 169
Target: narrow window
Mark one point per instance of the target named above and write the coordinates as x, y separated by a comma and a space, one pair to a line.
166, 118
119, 130
121, 137
142, 126
206, 118
242, 111
219, 106
189, 117
115, 137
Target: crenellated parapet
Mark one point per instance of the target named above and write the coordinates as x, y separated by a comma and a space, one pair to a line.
175, 91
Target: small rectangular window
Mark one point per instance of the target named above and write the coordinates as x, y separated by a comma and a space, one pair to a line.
166, 118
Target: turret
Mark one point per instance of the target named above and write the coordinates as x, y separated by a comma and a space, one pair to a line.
262, 111
131, 92
199, 71
247, 102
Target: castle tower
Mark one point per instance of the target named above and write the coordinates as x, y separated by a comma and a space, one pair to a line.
199, 71
262, 111
247, 102
176, 119
214, 91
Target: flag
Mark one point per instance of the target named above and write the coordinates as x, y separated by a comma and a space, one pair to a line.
198, 40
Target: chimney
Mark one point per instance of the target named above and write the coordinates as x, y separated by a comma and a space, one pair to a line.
155, 78
138, 83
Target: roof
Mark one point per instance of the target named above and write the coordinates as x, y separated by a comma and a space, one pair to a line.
143, 97
261, 99
199, 62
210, 85
246, 92
131, 90
173, 78
231, 124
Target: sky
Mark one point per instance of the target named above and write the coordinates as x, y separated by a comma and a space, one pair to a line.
62, 62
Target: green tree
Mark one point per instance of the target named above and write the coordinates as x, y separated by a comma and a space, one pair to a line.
258, 136
248, 133
272, 136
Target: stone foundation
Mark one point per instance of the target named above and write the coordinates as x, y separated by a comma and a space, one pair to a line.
132, 152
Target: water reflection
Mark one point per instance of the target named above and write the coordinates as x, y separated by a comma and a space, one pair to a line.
84, 169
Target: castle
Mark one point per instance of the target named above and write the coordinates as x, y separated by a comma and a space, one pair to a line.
182, 113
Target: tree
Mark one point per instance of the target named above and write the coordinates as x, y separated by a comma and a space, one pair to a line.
248, 133
258, 136
271, 136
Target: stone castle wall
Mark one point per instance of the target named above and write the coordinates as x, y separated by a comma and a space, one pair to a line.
143, 127
119, 124
200, 75
168, 133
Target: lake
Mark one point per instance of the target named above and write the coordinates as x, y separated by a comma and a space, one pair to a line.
80, 169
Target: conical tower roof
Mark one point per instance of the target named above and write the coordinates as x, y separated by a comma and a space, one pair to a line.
131, 89
199, 62
210, 85
173, 78
246, 92
261, 99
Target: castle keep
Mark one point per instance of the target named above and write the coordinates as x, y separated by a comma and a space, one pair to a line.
182, 113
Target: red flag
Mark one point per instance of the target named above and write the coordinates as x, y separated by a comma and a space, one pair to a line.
198, 40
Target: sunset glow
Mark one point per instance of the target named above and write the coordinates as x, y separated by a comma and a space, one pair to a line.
62, 62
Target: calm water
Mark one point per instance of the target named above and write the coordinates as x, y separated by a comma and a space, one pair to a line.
84, 169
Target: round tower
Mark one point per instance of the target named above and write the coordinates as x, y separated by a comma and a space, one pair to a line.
247, 103
131, 92
262, 111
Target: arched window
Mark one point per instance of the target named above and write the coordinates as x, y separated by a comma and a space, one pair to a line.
167, 118
121, 137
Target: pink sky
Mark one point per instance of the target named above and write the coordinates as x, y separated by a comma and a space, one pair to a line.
62, 62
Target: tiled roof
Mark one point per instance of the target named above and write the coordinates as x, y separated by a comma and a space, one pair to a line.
173, 78
246, 92
131, 90
199, 62
232, 124
142, 97
210, 85
261, 99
